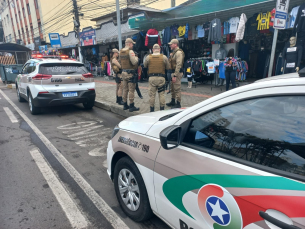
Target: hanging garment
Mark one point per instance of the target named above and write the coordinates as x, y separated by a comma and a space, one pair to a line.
211, 67
174, 30
226, 28
152, 37
166, 36
215, 30
241, 27
292, 56
263, 20
187, 27
222, 70
181, 30
140, 42
272, 18
299, 24
293, 16
220, 54
261, 62
200, 31
279, 65
243, 51
233, 24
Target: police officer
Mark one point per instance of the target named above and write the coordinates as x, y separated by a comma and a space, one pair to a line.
176, 62
156, 63
129, 63
116, 66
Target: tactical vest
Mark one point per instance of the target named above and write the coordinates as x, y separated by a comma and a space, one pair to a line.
156, 64
173, 60
125, 61
115, 68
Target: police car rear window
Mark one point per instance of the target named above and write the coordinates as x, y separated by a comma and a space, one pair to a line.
62, 69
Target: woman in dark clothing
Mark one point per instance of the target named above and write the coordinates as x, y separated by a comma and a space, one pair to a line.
230, 65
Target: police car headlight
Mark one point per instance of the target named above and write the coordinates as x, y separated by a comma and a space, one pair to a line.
115, 131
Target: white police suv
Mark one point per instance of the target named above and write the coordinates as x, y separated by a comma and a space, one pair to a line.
54, 81
234, 161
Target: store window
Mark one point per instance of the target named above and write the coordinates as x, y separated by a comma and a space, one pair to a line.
28, 7
267, 131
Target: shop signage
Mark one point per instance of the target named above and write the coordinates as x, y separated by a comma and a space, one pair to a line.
134, 21
87, 37
55, 40
281, 14
43, 48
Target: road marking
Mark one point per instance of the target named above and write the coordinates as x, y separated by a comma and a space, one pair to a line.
88, 134
76, 218
98, 201
10, 114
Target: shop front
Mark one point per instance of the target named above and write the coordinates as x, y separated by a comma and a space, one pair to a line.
240, 29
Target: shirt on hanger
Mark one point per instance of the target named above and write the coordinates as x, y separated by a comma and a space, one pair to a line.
174, 29
200, 31
181, 30
272, 17
292, 16
263, 20
186, 35
233, 24
211, 67
226, 28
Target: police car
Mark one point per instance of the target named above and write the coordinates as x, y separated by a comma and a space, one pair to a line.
236, 160
53, 81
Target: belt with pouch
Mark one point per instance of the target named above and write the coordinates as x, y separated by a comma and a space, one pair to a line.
129, 71
156, 74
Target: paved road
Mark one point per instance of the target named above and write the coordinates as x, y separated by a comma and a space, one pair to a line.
53, 168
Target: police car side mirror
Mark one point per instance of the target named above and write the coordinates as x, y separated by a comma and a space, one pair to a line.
170, 137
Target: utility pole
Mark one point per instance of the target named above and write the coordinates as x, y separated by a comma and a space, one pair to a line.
119, 23
77, 25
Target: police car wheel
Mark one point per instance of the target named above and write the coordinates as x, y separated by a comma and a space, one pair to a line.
131, 191
34, 110
88, 105
20, 99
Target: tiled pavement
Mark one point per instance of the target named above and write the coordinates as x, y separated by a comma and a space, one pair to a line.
106, 98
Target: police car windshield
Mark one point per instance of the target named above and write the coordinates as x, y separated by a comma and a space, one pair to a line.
62, 69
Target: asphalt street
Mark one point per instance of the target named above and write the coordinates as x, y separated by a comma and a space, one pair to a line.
53, 168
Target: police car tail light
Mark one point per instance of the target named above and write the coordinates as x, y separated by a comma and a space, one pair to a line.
43, 92
91, 89
41, 77
64, 56
88, 75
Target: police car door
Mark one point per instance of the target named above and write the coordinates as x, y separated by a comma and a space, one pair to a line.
22, 79
241, 165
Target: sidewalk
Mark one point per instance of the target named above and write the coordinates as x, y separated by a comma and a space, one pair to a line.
106, 97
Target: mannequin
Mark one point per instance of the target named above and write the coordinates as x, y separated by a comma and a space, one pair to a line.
221, 53
292, 55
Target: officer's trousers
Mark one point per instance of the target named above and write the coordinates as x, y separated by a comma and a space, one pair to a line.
176, 87
156, 83
119, 86
128, 88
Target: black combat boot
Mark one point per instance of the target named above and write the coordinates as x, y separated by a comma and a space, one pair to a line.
132, 108
178, 105
161, 108
117, 99
152, 109
126, 107
120, 101
172, 103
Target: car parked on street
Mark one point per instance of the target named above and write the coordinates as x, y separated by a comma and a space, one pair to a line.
236, 160
54, 81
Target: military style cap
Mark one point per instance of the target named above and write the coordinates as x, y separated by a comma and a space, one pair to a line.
115, 51
174, 41
156, 46
129, 40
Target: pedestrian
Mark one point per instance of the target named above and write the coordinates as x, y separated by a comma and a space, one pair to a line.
129, 63
176, 63
157, 64
230, 65
116, 66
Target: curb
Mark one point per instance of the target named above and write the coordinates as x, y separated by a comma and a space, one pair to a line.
116, 109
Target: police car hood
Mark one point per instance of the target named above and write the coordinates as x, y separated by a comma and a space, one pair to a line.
143, 122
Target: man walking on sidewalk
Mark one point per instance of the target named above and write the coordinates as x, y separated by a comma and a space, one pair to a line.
129, 63
156, 63
176, 61
115, 65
